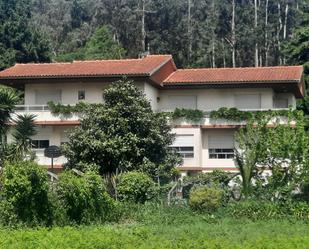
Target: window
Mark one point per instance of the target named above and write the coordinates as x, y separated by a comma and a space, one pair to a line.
184, 145
221, 145
43, 97
248, 101
281, 103
221, 153
187, 102
40, 144
81, 95
185, 152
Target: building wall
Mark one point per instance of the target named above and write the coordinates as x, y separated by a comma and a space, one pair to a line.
213, 99
201, 147
93, 91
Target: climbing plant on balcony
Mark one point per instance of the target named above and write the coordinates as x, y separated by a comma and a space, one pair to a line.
234, 114
193, 115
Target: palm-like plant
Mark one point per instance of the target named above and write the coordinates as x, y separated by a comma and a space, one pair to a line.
9, 98
24, 130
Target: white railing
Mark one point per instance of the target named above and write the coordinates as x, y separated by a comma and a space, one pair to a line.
207, 112
32, 108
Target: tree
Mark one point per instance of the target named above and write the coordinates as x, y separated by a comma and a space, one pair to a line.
100, 46
250, 151
8, 99
297, 52
281, 149
19, 42
123, 134
22, 132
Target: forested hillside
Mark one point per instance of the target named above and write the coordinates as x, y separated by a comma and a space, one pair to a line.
209, 33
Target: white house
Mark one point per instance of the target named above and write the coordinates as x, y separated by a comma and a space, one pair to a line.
205, 146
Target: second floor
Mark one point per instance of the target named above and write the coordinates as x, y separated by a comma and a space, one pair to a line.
165, 86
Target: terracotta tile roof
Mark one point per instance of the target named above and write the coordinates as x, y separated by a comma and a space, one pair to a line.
235, 75
102, 68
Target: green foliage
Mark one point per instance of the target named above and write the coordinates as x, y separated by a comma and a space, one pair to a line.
100, 46
67, 110
199, 234
8, 99
19, 41
24, 194
234, 114
266, 210
188, 114
230, 114
283, 149
83, 198
124, 134
24, 129
136, 187
217, 178
206, 199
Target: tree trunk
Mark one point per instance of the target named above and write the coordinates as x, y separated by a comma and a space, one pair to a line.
143, 28
233, 39
189, 32
266, 33
256, 57
223, 51
213, 33
278, 33
285, 25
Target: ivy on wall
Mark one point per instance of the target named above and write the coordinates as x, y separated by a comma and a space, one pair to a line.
188, 114
234, 114
193, 115
58, 109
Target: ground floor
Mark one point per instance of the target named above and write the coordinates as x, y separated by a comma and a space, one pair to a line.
202, 149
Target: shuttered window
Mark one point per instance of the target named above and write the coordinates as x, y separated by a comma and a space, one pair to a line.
248, 101
43, 97
184, 145
186, 102
220, 141
221, 146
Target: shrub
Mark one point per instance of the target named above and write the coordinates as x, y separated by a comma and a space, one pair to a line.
84, 198
136, 187
25, 194
217, 178
264, 210
206, 199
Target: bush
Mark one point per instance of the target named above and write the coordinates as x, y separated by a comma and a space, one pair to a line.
264, 210
25, 194
217, 178
206, 199
84, 198
136, 187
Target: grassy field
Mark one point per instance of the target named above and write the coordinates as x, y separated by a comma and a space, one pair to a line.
198, 233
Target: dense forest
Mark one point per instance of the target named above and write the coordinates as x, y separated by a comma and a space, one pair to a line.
209, 33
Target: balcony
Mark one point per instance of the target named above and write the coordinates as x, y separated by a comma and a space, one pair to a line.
208, 122
43, 114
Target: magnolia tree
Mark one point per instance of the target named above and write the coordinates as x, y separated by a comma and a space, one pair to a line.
281, 150
123, 134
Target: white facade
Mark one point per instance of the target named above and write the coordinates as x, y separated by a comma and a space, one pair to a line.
204, 147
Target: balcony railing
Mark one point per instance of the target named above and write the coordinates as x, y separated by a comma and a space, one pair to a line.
32, 108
